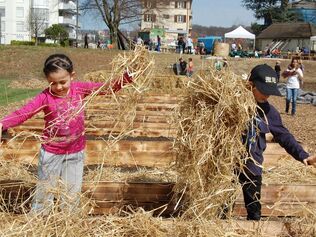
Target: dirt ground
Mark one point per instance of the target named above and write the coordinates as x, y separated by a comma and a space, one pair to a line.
24, 66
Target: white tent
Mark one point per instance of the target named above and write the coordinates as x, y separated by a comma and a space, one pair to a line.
241, 33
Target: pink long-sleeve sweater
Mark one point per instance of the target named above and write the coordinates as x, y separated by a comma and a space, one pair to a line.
64, 126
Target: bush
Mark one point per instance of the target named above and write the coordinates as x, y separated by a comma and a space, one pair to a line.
48, 45
18, 42
31, 43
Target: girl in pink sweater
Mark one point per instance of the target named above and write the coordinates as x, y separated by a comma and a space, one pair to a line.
61, 154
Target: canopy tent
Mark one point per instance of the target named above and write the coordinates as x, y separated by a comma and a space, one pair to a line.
241, 33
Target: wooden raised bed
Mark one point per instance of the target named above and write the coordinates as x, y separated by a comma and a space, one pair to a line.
277, 200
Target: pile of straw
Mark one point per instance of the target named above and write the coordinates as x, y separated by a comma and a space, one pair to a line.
211, 119
117, 174
289, 171
136, 224
13, 170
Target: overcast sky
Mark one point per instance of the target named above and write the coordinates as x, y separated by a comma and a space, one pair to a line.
205, 12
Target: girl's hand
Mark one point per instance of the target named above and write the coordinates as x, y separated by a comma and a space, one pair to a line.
311, 160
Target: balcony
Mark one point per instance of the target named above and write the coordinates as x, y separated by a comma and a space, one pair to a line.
67, 6
66, 21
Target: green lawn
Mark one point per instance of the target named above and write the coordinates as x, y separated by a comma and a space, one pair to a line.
9, 95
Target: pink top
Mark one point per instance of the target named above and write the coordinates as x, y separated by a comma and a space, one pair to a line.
64, 128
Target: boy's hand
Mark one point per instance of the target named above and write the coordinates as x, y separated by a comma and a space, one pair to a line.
311, 160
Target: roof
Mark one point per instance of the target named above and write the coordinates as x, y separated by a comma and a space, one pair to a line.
240, 33
288, 31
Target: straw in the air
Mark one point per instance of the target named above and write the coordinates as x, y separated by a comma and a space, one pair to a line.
211, 119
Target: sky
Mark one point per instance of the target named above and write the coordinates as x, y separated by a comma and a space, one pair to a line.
205, 12
221, 13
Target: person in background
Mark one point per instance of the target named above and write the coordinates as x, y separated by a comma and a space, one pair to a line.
302, 67
189, 45
263, 83
158, 43
62, 152
180, 44
234, 47
139, 41
183, 66
277, 69
294, 75
86, 45
190, 68
201, 47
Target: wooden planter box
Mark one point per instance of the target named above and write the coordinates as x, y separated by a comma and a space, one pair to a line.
277, 200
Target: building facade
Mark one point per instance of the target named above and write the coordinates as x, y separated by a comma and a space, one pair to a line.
306, 10
18, 18
174, 17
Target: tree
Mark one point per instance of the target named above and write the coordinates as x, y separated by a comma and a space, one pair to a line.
271, 10
38, 22
56, 32
116, 13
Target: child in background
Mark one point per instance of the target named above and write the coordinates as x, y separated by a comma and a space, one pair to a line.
190, 68
277, 69
262, 83
61, 154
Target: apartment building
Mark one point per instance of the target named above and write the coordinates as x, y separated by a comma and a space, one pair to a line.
174, 17
16, 17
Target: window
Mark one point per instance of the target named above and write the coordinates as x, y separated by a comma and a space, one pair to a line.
180, 18
181, 4
20, 12
40, 14
150, 4
40, 3
20, 26
165, 16
149, 18
2, 11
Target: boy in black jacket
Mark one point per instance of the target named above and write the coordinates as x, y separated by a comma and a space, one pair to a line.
263, 83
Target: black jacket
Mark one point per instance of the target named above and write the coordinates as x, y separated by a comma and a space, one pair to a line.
255, 139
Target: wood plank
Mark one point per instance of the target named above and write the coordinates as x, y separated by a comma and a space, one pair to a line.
286, 193
103, 145
280, 210
107, 131
277, 200
115, 158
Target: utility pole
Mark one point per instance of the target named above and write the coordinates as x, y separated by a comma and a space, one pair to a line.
77, 23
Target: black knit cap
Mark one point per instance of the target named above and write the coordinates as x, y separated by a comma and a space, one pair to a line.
265, 79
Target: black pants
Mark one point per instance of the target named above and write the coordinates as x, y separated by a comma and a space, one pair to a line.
251, 188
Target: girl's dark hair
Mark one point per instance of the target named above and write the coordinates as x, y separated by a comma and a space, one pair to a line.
56, 62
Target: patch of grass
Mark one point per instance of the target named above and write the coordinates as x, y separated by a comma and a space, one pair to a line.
9, 95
